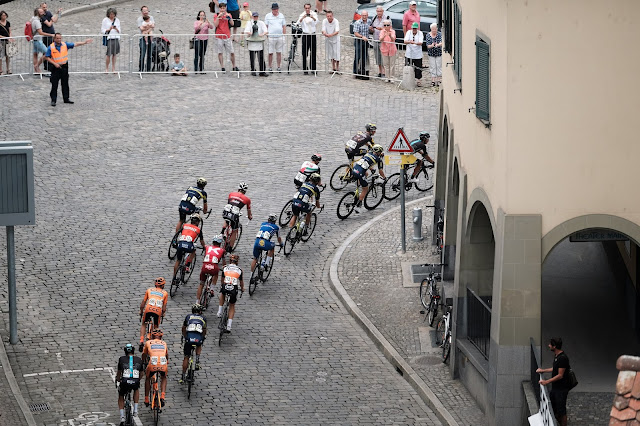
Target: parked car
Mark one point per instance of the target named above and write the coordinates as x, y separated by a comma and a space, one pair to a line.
394, 10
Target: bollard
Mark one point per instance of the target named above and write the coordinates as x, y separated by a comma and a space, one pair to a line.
417, 224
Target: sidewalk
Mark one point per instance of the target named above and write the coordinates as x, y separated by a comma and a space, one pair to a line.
370, 270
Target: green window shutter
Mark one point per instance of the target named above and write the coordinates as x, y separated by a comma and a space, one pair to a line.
483, 79
458, 42
448, 27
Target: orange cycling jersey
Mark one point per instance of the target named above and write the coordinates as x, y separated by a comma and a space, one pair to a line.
232, 276
189, 233
158, 354
155, 299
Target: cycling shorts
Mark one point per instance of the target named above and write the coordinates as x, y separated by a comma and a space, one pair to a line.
260, 245
209, 269
233, 219
185, 247
126, 387
185, 209
360, 174
149, 372
299, 207
355, 152
193, 338
298, 183
151, 315
233, 293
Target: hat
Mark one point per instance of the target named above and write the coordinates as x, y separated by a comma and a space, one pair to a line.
274, 6
415, 25
254, 14
245, 4
411, 3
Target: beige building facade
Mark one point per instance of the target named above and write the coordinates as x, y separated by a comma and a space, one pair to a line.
537, 141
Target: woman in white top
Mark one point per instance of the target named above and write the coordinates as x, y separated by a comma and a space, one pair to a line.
111, 30
414, 39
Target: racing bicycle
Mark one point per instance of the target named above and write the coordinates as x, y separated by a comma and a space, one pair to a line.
190, 376
128, 407
182, 275
207, 292
424, 183
173, 245
224, 318
430, 297
287, 213
299, 233
226, 235
372, 200
262, 271
156, 404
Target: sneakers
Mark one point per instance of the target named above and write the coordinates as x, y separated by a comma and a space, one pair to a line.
223, 70
219, 314
270, 69
236, 69
279, 69
228, 330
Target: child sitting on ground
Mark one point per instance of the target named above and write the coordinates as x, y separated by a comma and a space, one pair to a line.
178, 66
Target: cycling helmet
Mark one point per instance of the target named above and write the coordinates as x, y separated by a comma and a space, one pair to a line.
217, 239
315, 177
234, 258
128, 349
377, 148
157, 333
272, 218
370, 127
197, 308
316, 157
160, 282
424, 135
202, 182
243, 186
196, 218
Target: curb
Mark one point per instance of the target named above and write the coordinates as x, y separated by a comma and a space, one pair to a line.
96, 5
403, 367
15, 389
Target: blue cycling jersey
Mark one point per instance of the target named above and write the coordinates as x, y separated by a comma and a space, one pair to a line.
268, 230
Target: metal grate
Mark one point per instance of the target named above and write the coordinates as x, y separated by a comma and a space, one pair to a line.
38, 408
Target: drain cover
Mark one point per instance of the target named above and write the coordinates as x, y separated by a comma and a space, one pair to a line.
37, 408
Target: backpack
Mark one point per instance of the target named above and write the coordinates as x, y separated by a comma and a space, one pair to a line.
28, 31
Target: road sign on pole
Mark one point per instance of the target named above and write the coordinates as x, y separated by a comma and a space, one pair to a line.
400, 143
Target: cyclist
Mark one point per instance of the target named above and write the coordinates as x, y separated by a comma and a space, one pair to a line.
153, 306
231, 212
156, 357
367, 162
263, 241
420, 146
214, 253
302, 201
194, 330
356, 146
190, 233
232, 277
190, 200
130, 369
307, 169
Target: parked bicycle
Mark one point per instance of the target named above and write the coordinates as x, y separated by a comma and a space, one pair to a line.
439, 229
374, 197
430, 296
297, 233
224, 318
182, 275
443, 333
173, 245
261, 272
296, 33
424, 183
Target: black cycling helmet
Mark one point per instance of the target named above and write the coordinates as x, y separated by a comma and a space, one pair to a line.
370, 127
272, 218
424, 135
128, 349
316, 157
197, 308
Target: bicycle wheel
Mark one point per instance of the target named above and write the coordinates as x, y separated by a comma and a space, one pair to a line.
190, 377
446, 349
175, 281
290, 241
265, 274
346, 205
340, 177
433, 312
192, 266
204, 296
424, 293
310, 228
128, 420
375, 196
173, 246
255, 275
440, 331
292, 52
222, 325
392, 187
425, 179
238, 235
286, 214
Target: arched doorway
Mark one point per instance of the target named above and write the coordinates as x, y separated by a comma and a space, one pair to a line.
451, 222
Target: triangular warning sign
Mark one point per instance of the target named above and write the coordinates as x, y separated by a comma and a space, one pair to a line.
400, 143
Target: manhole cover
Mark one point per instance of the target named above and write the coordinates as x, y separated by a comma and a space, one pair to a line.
427, 360
37, 408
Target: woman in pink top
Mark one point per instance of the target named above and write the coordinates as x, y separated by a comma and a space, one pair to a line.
410, 16
201, 28
388, 47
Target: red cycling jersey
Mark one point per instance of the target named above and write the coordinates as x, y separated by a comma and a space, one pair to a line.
189, 233
239, 200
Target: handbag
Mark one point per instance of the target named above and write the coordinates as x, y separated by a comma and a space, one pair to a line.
11, 49
571, 377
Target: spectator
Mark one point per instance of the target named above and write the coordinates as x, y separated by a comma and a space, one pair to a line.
388, 47
376, 27
245, 17
308, 21
255, 31
409, 17
277, 27
111, 29
146, 24
38, 45
5, 33
57, 57
212, 6
223, 21
414, 39
559, 378
331, 29
178, 67
234, 9
201, 27
321, 6
48, 19
361, 44
433, 40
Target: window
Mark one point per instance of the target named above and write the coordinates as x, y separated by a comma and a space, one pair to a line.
483, 80
447, 24
457, 53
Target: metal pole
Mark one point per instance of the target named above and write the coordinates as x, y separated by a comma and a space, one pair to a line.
402, 230
11, 266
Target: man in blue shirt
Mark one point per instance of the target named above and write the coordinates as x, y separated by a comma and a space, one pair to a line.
234, 9
57, 56
263, 241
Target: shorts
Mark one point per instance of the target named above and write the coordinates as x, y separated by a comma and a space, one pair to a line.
435, 66
260, 245
276, 44
149, 372
235, 14
151, 315
559, 402
233, 293
233, 219
355, 152
299, 207
224, 44
126, 387
209, 269
184, 247
377, 52
185, 208
39, 47
361, 175
113, 46
192, 339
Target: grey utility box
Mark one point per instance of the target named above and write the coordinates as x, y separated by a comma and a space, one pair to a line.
17, 205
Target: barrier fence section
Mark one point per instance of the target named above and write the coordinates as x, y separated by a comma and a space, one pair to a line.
20, 62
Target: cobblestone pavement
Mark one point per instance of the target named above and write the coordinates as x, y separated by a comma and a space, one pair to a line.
109, 172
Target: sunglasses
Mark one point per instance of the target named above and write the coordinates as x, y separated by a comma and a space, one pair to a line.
387, 25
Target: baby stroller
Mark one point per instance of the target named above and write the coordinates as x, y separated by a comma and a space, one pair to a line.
160, 52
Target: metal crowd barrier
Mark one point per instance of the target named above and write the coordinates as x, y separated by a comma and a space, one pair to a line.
21, 62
